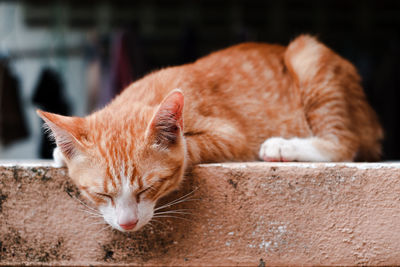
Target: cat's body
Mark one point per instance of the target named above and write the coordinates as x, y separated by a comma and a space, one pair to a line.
297, 103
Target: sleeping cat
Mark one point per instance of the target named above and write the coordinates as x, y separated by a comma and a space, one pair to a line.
251, 101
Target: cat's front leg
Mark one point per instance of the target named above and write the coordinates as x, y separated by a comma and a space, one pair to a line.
277, 149
59, 160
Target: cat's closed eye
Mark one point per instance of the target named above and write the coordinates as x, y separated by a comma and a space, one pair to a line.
104, 196
140, 193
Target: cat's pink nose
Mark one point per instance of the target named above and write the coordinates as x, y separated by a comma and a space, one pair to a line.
129, 225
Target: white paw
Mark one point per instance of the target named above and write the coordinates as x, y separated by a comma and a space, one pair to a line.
279, 149
58, 157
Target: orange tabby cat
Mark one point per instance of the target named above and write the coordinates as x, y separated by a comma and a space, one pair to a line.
302, 102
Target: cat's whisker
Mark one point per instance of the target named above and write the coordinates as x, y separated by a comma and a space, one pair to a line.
91, 213
96, 223
82, 203
179, 200
94, 216
102, 229
182, 197
173, 212
171, 216
157, 221
179, 210
91, 218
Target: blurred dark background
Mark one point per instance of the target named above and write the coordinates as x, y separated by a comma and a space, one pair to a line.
87, 51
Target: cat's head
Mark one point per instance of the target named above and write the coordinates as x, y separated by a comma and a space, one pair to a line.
125, 159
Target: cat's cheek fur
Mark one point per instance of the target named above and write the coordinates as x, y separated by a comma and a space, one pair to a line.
109, 215
145, 212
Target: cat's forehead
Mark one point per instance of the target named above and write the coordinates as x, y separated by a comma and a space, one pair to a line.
126, 160
118, 142
123, 117
124, 172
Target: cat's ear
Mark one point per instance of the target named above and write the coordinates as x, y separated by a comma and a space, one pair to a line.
167, 123
67, 132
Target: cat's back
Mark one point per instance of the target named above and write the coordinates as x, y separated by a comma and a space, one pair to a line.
247, 57
243, 62
247, 71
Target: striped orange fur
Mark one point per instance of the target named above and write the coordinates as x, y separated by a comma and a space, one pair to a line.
302, 102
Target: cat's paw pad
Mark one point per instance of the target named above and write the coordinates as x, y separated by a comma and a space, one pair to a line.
277, 149
58, 157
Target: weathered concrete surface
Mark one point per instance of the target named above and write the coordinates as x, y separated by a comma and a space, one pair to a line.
241, 214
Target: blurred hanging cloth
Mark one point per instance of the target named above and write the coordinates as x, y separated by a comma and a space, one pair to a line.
126, 64
12, 121
122, 66
49, 96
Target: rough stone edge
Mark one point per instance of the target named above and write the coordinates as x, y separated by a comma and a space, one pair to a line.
244, 165
239, 165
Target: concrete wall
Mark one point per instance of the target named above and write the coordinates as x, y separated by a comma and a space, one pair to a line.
240, 213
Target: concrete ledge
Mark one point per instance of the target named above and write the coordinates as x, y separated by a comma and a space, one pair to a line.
245, 214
